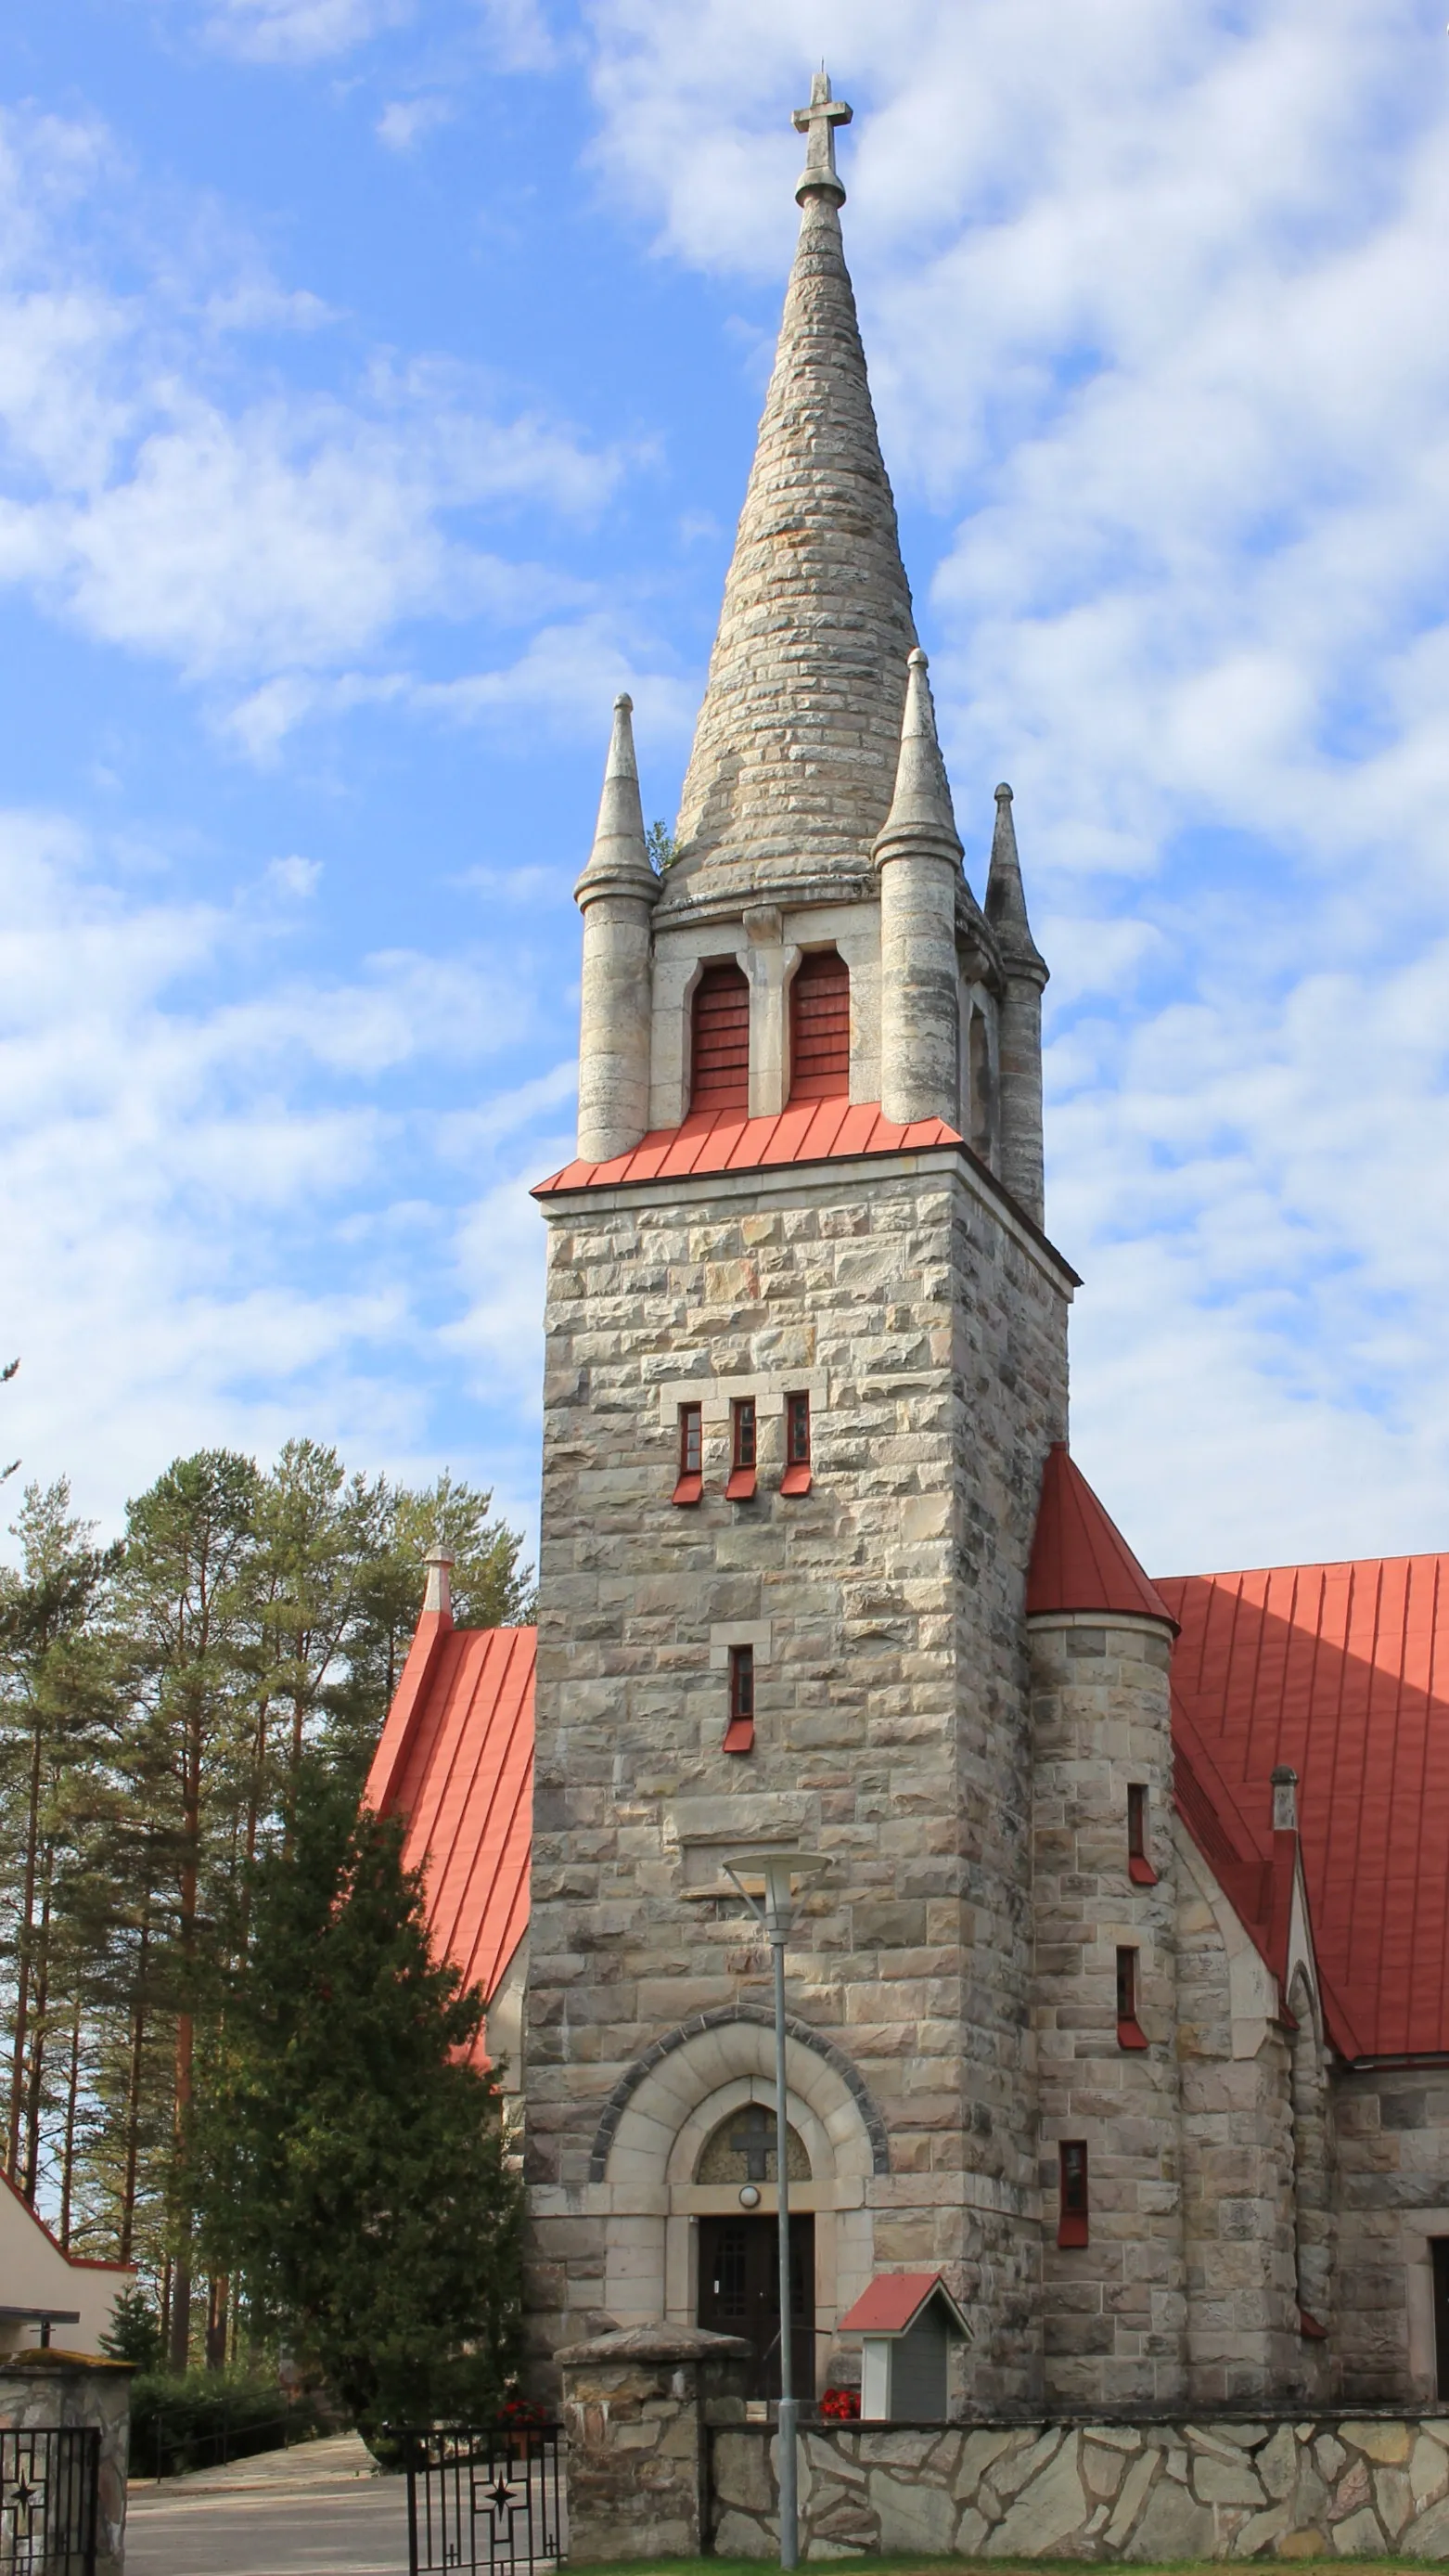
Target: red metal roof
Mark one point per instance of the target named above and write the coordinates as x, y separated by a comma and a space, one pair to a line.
894, 2301
1079, 1558
456, 1756
725, 1140
1342, 1671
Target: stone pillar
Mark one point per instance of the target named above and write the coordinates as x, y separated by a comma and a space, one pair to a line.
1114, 2306
616, 895
918, 858
635, 2409
41, 2390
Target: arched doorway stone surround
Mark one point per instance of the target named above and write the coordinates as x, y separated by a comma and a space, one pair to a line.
654, 2129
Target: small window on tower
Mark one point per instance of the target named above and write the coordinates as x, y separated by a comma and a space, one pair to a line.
691, 1454
740, 1732
1072, 2211
1139, 1867
796, 1479
1130, 2033
741, 1486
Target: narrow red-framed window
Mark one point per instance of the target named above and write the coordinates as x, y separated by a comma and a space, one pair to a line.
1139, 1867
1072, 2203
1130, 2033
796, 1479
740, 1732
720, 1075
820, 1029
690, 1483
741, 1486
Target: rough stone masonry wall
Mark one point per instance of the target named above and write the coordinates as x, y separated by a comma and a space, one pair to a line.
1244, 2347
1105, 2491
1114, 2308
891, 1697
1392, 2194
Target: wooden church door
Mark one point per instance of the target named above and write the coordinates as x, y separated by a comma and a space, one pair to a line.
739, 2295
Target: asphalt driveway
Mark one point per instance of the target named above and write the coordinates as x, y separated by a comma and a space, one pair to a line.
320, 2510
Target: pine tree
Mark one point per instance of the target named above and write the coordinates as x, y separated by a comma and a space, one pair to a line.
352, 2164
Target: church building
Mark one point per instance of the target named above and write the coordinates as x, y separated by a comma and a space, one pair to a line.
1122, 2003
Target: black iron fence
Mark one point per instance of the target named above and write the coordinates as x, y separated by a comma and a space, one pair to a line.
484, 2497
49, 2491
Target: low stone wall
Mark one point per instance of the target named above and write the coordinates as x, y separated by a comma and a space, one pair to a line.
1332, 2486
637, 2408
40, 2389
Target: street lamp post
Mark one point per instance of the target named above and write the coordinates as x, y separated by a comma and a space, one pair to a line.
779, 1870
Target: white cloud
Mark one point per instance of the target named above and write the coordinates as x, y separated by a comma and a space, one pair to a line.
300, 31
405, 121
264, 537
204, 1155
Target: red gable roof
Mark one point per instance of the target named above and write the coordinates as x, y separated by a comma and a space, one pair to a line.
893, 2302
456, 1756
725, 1140
1079, 1558
1342, 1671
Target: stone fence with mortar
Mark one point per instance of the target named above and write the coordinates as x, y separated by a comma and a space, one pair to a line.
44, 2390
1344, 2486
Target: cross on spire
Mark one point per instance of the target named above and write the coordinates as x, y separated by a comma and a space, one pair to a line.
819, 121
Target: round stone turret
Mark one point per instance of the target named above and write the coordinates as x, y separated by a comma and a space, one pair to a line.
918, 857
616, 895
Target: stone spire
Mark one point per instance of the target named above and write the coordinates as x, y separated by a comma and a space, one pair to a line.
1024, 972
616, 895
619, 857
918, 855
1006, 897
921, 815
795, 749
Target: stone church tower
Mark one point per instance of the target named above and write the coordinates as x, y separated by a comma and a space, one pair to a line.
806, 1362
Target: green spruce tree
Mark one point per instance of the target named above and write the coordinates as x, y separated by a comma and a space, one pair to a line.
352, 2165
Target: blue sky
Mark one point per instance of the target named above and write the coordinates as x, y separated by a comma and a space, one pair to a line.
377, 387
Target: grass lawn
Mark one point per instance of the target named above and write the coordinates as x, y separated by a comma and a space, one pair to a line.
916, 2565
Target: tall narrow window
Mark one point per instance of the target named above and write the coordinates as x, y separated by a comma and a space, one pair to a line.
740, 1732
691, 1454
1439, 2257
721, 1055
820, 1029
1130, 2033
741, 1486
978, 1066
1139, 1866
796, 1479
1072, 2206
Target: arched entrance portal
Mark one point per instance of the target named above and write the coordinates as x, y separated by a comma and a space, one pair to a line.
667, 2152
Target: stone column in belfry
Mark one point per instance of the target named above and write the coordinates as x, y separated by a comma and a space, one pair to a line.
918, 860
616, 895
1024, 972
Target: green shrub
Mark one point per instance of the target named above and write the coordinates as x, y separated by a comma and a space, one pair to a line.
211, 2416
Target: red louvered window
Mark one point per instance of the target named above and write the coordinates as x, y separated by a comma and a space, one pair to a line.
820, 1029
721, 1040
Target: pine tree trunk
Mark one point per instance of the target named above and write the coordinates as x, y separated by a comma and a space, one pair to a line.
67, 2171
22, 1956
133, 2099
39, 2034
216, 2315
181, 2279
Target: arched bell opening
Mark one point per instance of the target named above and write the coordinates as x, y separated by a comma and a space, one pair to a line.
820, 1028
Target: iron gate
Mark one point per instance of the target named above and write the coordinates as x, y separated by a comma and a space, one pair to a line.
49, 2488
483, 2497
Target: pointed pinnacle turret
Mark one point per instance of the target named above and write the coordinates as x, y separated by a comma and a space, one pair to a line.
619, 860
1006, 898
921, 815
795, 749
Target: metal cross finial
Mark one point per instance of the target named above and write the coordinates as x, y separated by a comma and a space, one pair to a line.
819, 121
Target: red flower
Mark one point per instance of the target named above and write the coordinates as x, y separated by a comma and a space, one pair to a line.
841, 2405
